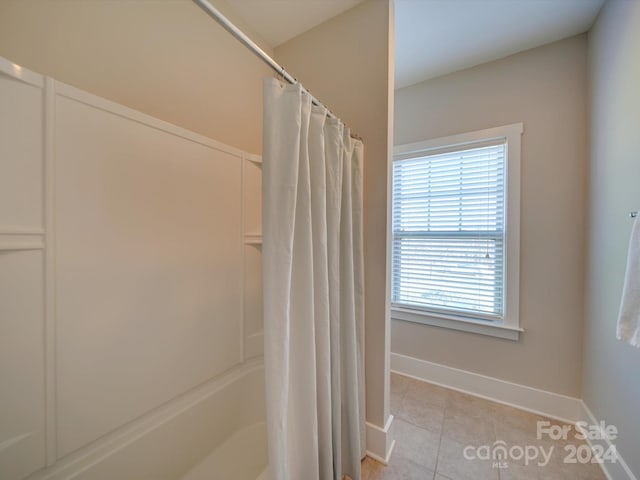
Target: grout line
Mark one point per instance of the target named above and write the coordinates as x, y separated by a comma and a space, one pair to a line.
444, 414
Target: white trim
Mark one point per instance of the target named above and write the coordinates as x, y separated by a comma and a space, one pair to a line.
541, 402
14, 70
21, 239
512, 225
16, 246
5, 445
461, 139
75, 94
452, 322
21, 231
253, 239
243, 208
380, 441
614, 471
49, 168
511, 134
253, 158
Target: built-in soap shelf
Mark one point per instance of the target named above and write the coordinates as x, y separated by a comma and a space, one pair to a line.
253, 239
255, 159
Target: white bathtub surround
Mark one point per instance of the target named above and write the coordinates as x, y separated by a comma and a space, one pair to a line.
213, 419
313, 289
115, 229
629, 316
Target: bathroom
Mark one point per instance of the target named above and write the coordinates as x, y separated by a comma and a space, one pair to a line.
132, 336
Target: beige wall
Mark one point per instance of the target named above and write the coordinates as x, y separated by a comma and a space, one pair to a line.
165, 58
611, 388
545, 88
345, 63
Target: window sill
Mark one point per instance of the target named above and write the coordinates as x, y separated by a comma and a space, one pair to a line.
480, 327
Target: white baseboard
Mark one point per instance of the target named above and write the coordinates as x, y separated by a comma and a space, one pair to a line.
549, 404
614, 471
380, 441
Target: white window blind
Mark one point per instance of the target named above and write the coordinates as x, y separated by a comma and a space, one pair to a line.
448, 252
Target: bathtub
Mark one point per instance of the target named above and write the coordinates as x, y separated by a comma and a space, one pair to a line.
243, 453
215, 432
243, 456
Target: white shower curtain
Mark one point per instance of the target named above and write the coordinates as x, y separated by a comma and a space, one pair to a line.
313, 289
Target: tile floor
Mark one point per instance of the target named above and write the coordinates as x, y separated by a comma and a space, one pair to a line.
434, 425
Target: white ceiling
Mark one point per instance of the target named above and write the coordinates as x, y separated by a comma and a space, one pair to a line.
436, 37
277, 21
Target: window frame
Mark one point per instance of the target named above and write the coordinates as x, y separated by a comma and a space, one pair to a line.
509, 327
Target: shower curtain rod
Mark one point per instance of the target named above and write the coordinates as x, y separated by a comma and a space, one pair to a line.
214, 13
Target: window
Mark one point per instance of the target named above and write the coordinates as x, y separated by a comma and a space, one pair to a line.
455, 231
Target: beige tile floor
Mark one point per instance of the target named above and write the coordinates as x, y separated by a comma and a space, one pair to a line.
433, 425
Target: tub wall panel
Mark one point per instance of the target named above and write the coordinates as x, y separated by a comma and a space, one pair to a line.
22, 322
148, 266
124, 282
